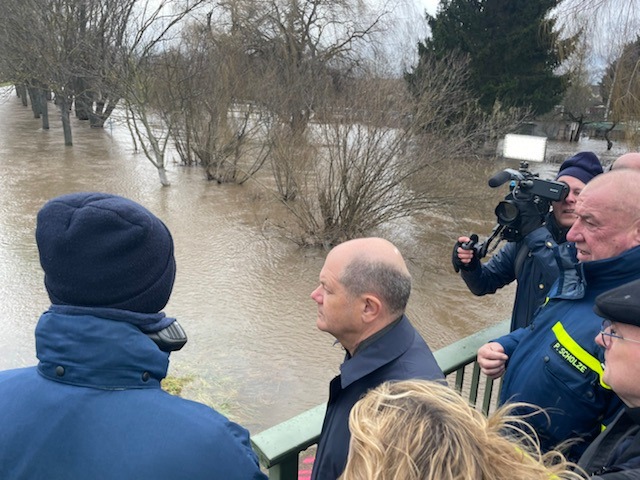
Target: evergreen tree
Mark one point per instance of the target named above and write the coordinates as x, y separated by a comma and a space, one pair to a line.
512, 48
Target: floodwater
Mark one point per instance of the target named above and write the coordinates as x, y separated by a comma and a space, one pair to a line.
241, 292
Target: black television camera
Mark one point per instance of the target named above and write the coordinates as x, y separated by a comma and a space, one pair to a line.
526, 192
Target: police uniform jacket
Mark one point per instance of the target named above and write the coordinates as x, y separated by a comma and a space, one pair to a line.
399, 354
615, 454
533, 261
556, 364
93, 409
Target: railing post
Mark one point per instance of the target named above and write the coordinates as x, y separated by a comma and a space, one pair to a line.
285, 470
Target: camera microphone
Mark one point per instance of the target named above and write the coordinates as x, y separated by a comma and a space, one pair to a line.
504, 176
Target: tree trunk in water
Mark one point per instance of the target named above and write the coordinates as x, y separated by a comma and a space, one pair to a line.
159, 161
606, 135
83, 106
39, 105
102, 113
578, 132
575, 135
21, 91
162, 173
34, 94
44, 110
63, 103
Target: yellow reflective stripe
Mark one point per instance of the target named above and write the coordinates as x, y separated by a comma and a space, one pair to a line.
580, 353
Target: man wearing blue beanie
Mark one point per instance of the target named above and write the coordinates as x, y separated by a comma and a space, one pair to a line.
93, 407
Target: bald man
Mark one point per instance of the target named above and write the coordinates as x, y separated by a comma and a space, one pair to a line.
555, 363
363, 292
628, 160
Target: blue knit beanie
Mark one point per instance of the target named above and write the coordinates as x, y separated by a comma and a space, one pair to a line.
583, 166
101, 250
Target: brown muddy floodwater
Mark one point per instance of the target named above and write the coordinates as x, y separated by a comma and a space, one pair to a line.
242, 292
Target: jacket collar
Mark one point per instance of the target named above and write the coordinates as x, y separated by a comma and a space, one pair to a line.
147, 322
96, 351
634, 413
378, 353
597, 274
613, 268
558, 233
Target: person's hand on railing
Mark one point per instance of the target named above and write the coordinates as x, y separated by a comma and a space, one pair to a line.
492, 359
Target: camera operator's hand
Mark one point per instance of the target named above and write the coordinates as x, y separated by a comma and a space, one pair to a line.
464, 255
530, 216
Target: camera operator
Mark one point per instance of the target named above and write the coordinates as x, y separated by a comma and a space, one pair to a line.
535, 255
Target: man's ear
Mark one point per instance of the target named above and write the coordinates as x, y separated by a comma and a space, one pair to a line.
372, 308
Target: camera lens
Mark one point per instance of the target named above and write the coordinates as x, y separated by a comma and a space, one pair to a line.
507, 212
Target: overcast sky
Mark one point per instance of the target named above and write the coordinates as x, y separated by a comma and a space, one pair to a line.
429, 5
408, 27
405, 26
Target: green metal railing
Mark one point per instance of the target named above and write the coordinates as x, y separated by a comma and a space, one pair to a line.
279, 447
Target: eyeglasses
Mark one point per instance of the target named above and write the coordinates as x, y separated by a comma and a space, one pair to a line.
607, 333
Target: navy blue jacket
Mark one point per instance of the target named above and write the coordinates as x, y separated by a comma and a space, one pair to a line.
542, 250
399, 354
93, 409
615, 454
555, 363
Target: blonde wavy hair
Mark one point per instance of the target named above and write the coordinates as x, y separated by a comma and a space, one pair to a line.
422, 430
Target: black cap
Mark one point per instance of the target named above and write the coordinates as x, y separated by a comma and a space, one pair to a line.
621, 304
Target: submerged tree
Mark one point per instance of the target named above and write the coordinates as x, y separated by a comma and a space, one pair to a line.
145, 73
68, 47
215, 124
298, 47
298, 52
81, 50
377, 158
145, 116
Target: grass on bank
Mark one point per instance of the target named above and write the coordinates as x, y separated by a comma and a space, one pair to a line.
220, 396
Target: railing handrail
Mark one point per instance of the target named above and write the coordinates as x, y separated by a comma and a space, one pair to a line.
278, 447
